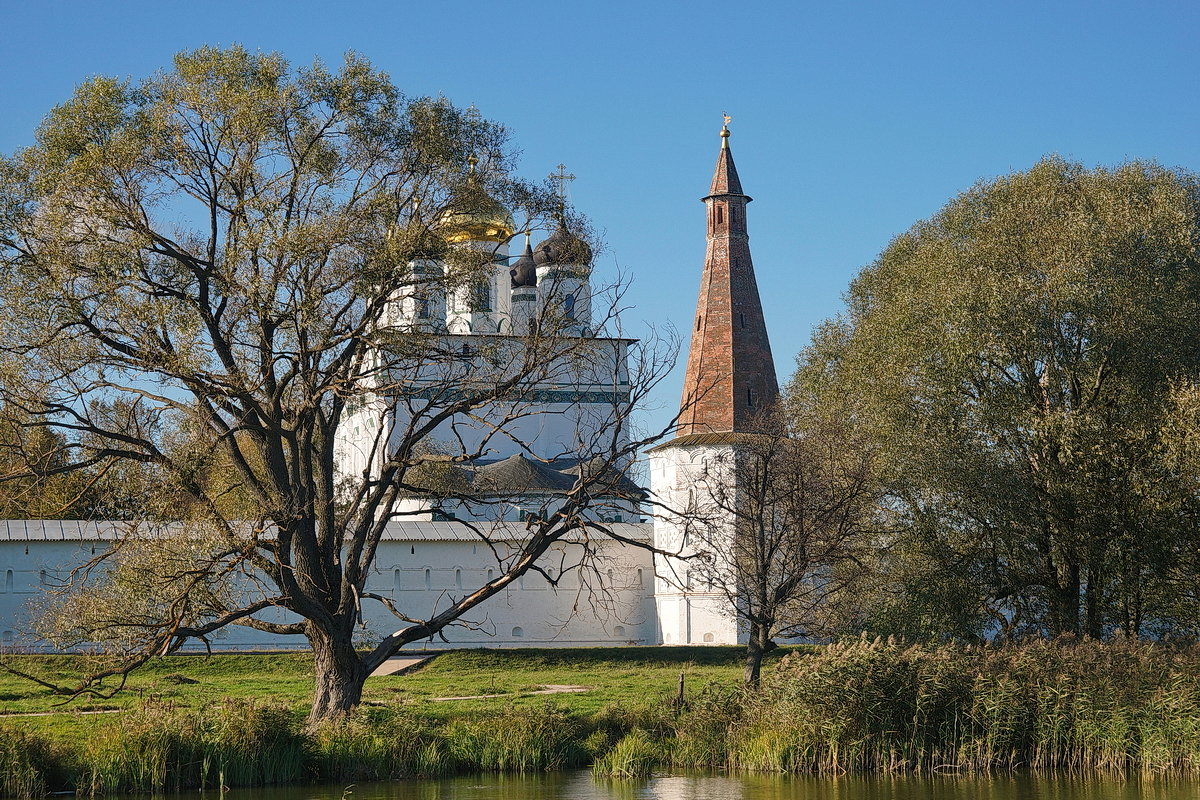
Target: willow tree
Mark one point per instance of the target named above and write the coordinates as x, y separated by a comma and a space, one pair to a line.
1021, 357
197, 272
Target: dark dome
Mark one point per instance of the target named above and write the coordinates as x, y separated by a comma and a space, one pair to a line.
562, 248
524, 272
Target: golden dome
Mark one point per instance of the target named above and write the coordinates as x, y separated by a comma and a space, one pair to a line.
475, 216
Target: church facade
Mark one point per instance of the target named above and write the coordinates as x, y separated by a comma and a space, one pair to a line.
628, 595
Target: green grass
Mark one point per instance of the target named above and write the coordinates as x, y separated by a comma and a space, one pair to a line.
614, 676
190, 721
861, 706
627, 676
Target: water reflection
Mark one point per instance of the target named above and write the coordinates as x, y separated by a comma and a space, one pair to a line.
581, 786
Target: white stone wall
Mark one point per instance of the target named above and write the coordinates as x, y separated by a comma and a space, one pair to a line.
609, 604
689, 612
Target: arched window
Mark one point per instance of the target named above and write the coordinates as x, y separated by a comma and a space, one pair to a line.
491, 573
708, 637
481, 296
619, 631
518, 632
8, 580
458, 578
639, 578
720, 215
428, 578
396, 581
569, 306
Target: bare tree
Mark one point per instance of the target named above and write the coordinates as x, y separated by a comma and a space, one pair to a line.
778, 523
199, 278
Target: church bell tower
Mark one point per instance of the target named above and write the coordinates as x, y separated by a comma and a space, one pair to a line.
730, 383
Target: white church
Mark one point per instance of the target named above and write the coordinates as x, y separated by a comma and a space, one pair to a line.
430, 554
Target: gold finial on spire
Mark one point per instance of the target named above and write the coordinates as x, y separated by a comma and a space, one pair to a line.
725, 129
472, 160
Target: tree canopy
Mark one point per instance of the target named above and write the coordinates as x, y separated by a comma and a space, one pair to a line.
197, 276
1027, 360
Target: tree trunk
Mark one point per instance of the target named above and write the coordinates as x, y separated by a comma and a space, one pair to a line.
1093, 604
1065, 601
339, 674
757, 646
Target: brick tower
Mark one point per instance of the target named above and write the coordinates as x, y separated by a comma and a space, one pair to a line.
730, 381
730, 374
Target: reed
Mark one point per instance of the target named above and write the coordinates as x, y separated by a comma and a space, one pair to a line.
25, 760
890, 706
519, 740
160, 748
636, 755
861, 706
378, 745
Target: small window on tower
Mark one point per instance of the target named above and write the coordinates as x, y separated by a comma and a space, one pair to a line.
720, 216
750, 398
742, 319
422, 308
698, 318
569, 306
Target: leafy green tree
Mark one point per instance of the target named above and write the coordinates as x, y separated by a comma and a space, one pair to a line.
38, 479
1022, 357
198, 272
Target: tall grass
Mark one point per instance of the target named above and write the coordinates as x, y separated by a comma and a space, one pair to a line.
635, 756
25, 760
895, 707
159, 748
520, 740
861, 706
378, 745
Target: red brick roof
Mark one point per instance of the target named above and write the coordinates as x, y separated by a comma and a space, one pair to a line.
730, 377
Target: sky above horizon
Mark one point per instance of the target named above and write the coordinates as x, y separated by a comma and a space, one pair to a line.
851, 121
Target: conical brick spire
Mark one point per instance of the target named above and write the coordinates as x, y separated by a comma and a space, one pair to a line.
725, 178
730, 377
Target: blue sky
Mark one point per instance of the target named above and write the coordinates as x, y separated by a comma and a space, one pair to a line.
851, 121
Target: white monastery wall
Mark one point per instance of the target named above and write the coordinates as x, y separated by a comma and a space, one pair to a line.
420, 566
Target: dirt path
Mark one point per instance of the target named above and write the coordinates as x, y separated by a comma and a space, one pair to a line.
549, 688
398, 665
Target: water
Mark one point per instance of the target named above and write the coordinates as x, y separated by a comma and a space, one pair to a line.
581, 786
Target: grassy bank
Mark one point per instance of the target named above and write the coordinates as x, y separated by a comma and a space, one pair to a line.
862, 706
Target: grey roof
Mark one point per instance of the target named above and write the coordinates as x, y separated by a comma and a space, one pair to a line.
524, 271
36, 530
562, 248
518, 473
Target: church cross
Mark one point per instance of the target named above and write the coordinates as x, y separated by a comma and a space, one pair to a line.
560, 178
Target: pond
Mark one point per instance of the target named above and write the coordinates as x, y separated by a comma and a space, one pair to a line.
581, 786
